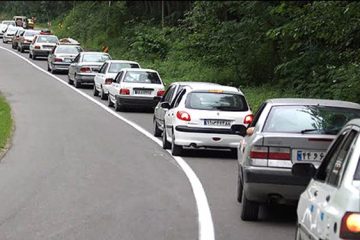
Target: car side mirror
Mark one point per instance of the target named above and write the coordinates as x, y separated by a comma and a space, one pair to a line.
239, 129
157, 98
165, 105
303, 170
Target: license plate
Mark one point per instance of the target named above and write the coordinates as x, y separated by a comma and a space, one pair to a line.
217, 122
142, 92
67, 60
308, 155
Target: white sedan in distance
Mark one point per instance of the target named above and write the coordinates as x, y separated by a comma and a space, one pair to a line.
107, 74
202, 117
135, 88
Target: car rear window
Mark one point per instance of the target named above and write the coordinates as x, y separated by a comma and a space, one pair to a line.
309, 119
116, 67
216, 101
68, 49
47, 39
95, 57
142, 77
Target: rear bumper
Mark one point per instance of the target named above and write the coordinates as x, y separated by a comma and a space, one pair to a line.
25, 46
260, 183
60, 66
136, 101
203, 130
43, 53
85, 78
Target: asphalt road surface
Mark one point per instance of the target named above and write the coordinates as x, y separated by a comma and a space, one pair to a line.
77, 172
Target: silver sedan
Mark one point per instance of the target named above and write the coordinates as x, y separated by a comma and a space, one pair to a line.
284, 132
62, 56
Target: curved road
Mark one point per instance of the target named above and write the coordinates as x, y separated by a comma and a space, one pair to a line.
77, 172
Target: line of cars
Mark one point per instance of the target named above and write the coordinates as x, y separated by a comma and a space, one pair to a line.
279, 150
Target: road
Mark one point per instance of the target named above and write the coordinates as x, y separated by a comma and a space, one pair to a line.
77, 172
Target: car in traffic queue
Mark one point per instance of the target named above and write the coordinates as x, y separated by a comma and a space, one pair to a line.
9, 22
107, 74
62, 56
16, 38
42, 45
169, 96
3, 28
202, 116
9, 33
283, 132
329, 208
85, 66
135, 87
26, 39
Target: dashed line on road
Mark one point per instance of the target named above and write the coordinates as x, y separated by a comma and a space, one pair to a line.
206, 226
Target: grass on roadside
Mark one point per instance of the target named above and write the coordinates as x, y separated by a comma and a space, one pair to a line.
5, 122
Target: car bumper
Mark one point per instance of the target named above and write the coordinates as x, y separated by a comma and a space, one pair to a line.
7, 39
262, 183
85, 78
43, 53
206, 137
25, 46
136, 101
60, 66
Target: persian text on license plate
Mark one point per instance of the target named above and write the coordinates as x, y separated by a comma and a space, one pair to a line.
216, 122
142, 92
308, 155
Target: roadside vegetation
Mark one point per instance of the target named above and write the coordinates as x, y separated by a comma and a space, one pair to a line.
5, 123
267, 48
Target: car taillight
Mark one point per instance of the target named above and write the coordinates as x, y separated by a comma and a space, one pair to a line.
124, 91
183, 116
259, 152
248, 119
108, 81
160, 93
85, 69
37, 47
270, 156
58, 60
279, 153
350, 226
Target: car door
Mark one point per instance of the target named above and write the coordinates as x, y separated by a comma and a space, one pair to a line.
100, 76
159, 111
115, 86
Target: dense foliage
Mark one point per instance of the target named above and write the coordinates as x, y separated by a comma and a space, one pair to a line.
299, 48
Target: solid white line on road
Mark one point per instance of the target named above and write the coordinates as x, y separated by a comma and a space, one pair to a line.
206, 226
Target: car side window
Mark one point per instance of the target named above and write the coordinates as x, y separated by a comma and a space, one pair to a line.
178, 98
340, 158
103, 68
327, 162
77, 58
119, 77
169, 93
257, 115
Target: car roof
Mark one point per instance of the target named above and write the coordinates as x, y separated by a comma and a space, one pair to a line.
185, 83
313, 101
93, 52
215, 87
120, 61
46, 35
138, 69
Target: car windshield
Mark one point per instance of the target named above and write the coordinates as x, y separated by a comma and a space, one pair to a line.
116, 67
31, 33
68, 49
309, 119
142, 77
216, 101
47, 39
95, 58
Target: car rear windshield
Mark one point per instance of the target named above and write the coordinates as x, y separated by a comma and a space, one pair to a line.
216, 101
47, 39
309, 119
116, 67
95, 57
31, 33
68, 49
142, 77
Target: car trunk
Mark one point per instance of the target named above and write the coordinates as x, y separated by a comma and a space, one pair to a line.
143, 89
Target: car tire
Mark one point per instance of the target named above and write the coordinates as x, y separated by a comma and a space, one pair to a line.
157, 131
110, 103
76, 83
118, 106
48, 67
95, 92
33, 56
30, 55
165, 142
249, 209
103, 96
176, 150
239, 187
22, 49
71, 82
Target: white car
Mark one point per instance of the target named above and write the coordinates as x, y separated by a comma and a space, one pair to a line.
135, 88
107, 74
42, 45
203, 116
329, 208
9, 33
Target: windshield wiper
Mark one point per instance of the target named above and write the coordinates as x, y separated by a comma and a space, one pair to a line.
309, 130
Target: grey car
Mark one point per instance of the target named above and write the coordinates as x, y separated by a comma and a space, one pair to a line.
169, 96
284, 132
85, 66
62, 56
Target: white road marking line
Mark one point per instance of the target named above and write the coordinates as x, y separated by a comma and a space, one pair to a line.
206, 226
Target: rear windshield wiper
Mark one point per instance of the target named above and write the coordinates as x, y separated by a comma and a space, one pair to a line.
309, 130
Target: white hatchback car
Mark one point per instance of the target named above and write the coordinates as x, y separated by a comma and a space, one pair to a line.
202, 117
329, 208
107, 74
135, 88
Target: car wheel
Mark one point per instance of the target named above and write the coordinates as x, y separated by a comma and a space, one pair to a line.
165, 142
103, 96
22, 49
69, 80
157, 131
95, 92
76, 82
118, 106
48, 67
239, 186
53, 70
176, 150
30, 55
33, 56
249, 209
110, 104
